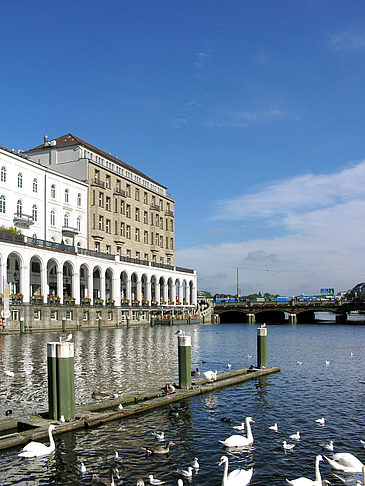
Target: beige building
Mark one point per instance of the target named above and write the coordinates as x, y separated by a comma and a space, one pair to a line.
129, 214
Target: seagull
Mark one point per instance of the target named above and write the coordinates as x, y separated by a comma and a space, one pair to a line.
229, 366
117, 458
62, 418
195, 463
362, 442
180, 332
320, 421
274, 427
249, 356
299, 362
155, 482
295, 436
263, 325
140, 482
188, 473
69, 337
327, 362
120, 407
158, 435
288, 447
9, 373
328, 447
82, 468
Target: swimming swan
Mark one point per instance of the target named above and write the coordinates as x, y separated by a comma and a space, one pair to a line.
238, 477
308, 482
240, 440
35, 449
346, 462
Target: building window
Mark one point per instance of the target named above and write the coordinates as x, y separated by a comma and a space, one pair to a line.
3, 174
129, 253
161, 260
37, 315
78, 224
67, 194
151, 219
152, 240
34, 212
115, 227
171, 243
115, 205
97, 246
157, 220
85, 316
154, 258
167, 242
107, 225
172, 225
161, 223
169, 261
53, 191
101, 222
65, 220
19, 208
146, 257
108, 249
128, 190
145, 217
15, 315
110, 315
122, 229
93, 221
128, 231
79, 199
54, 315
157, 239
2, 204
68, 315
35, 185
138, 255
107, 182
137, 194
128, 211
101, 199
20, 180
161, 241
122, 207
137, 214
161, 204
107, 203
137, 234
53, 218
93, 198
145, 198
145, 237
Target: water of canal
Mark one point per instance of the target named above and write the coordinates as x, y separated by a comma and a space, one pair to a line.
123, 360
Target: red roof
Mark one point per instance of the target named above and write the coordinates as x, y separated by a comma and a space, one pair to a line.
70, 139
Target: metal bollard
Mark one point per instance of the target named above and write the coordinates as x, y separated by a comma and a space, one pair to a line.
21, 325
184, 346
128, 323
64, 325
100, 324
152, 321
61, 380
262, 347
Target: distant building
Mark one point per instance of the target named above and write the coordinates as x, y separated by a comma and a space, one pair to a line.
129, 214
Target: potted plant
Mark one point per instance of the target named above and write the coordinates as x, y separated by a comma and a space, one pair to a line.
110, 302
185, 302
178, 302
125, 301
16, 298
85, 300
98, 301
69, 300
145, 302
154, 302
53, 299
171, 302
37, 299
162, 302
135, 302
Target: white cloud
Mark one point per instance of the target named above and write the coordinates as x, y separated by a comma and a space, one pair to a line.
243, 119
319, 242
347, 42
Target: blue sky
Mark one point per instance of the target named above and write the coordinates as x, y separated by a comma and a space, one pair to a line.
250, 112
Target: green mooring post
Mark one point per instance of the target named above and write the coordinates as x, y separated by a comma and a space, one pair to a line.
21, 325
61, 380
262, 347
152, 321
251, 318
292, 318
100, 324
189, 319
64, 325
184, 346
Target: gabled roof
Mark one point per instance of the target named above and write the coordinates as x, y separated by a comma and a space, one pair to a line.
70, 139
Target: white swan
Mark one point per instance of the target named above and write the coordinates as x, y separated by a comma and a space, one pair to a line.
240, 440
328, 447
35, 449
240, 427
345, 462
238, 477
210, 376
362, 442
308, 482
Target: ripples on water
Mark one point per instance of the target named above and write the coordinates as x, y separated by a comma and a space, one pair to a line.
121, 360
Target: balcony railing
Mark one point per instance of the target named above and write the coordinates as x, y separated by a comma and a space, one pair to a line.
169, 213
136, 261
99, 183
69, 231
11, 237
23, 220
50, 244
162, 265
155, 207
98, 254
120, 191
184, 270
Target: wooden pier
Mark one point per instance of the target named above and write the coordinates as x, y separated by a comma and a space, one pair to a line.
15, 433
